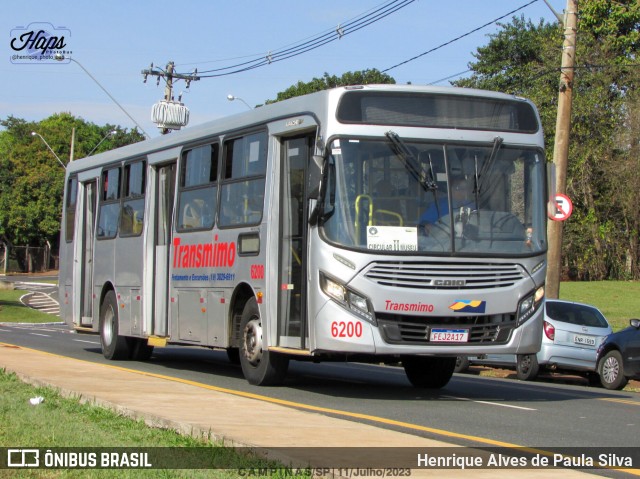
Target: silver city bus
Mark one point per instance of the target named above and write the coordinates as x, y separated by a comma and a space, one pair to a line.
372, 223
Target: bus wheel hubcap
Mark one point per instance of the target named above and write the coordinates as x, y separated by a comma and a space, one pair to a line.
252, 337
108, 327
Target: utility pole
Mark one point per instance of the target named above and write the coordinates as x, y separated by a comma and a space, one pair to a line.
73, 144
168, 114
561, 145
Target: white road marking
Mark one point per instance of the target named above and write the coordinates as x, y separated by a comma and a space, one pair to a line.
491, 403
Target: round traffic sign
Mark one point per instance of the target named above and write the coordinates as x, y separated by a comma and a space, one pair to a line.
561, 208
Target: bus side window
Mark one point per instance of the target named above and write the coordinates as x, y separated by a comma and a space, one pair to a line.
198, 188
242, 198
109, 204
132, 215
70, 207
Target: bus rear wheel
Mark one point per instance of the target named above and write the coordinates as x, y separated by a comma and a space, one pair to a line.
428, 371
259, 366
113, 345
140, 350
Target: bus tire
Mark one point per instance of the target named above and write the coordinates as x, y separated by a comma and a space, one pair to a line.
233, 355
428, 371
527, 367
140, 350
113, 345
259, 366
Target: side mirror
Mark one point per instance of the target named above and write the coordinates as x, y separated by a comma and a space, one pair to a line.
316, 167
635, 323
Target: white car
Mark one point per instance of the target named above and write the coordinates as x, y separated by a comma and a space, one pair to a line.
572, 333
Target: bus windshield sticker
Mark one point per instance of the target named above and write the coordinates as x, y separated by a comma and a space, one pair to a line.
392, 238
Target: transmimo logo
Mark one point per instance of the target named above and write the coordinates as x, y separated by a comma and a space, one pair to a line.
39, 42
21, 458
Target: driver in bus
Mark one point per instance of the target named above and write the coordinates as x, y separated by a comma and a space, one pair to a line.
461, 197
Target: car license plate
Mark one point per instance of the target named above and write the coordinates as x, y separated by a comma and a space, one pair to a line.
584, 340
449, 335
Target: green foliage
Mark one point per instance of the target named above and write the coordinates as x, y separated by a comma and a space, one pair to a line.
601, 237
364, 77
31, 178
614, 24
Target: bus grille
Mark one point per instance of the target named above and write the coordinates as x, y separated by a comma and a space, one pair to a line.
451, 276
409, 330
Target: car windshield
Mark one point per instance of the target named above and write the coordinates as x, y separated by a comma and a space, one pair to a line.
579, 314
403, 196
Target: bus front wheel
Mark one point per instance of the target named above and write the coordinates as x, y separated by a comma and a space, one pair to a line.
259, 366
428, 371
113, 345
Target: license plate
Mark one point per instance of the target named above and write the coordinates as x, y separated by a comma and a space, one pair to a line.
584, 340
449, 335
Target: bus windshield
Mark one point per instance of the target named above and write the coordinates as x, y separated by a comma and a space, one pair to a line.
400, 197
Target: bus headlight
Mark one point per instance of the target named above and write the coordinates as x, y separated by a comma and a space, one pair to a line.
347, 298
529, 305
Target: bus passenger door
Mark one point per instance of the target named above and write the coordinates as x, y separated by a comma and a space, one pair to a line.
163, 214
293, 330
85, 272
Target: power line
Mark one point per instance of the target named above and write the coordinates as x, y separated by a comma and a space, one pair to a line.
460, 37
261, 54
314, 42
449, 77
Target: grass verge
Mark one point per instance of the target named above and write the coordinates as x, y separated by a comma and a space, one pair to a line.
13, 311
618, 300
66, 422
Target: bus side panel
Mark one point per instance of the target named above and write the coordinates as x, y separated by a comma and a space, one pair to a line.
128, 278
65, 293
103, 273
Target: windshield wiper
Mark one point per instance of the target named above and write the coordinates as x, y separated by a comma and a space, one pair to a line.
480, 177
410, 162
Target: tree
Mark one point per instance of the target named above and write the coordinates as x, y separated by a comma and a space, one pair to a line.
32, 180
364, 77
601, 237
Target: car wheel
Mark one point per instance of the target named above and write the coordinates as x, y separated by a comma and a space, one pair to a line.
527, 366
594, 379
462, 364
611, 371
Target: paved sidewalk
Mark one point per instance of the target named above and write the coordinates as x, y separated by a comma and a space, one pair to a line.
201, 410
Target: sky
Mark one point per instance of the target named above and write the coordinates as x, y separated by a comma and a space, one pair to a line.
115, 40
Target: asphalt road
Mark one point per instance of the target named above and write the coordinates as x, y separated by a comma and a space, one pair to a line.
471, 410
